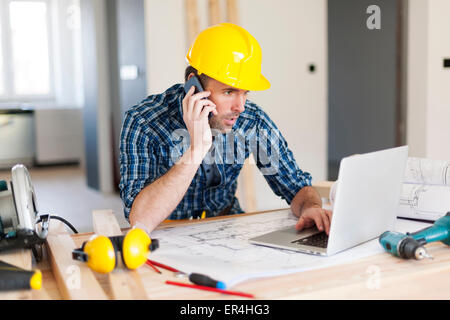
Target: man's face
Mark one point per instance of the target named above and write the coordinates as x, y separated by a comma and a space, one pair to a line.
230, 103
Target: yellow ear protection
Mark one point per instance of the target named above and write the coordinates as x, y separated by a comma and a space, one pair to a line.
101, 253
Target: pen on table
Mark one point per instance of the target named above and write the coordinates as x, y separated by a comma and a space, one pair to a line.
154, 263
194, 286
151, 265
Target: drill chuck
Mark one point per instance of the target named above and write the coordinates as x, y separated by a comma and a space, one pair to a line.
402, 245
410, 248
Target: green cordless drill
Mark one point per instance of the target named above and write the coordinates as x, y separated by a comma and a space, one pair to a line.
411, 245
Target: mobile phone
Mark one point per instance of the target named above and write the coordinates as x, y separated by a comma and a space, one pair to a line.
194, 81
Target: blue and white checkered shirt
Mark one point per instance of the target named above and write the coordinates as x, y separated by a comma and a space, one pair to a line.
154, 137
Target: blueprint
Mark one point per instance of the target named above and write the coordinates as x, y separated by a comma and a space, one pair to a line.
424, 202
427, 171
221, 248
426, 189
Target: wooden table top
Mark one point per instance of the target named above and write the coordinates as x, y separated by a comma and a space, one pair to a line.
380, 276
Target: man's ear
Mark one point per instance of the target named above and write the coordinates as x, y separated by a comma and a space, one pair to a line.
190, 75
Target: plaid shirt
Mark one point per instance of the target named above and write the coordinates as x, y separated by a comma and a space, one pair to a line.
154, 137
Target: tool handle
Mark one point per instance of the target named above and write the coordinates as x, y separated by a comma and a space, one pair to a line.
203, 280
432, 234
15, 278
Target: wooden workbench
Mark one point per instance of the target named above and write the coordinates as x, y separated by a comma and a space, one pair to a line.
380, 276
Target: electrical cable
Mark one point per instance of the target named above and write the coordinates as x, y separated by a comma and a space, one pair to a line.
62, 220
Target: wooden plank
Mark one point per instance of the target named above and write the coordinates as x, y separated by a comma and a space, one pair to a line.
192, 20
376, 277
22, 259
246, 185
105, 223
75, 280
232, 11
124, 284
214, 12
323, 188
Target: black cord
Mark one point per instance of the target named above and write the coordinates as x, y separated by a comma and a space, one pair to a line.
66, 222
62, 220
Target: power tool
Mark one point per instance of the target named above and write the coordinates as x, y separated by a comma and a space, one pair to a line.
411, 245
19, 219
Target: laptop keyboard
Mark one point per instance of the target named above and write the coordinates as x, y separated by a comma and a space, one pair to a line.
316, 240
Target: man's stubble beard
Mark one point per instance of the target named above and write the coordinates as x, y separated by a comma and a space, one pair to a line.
215, 123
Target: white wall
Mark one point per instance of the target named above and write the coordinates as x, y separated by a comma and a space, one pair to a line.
166, 43
292, 34
417, 52
428, 130
438, 102
59, 135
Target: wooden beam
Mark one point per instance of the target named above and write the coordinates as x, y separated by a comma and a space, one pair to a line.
214, 12
246, 185
75, 280
105, 223
125, 284
232, 11
323, 188
192, 20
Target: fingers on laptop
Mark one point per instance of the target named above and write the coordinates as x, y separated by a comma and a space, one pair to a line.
326, 222
304, 223
321, 218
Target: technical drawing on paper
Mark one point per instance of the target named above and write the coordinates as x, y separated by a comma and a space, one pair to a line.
221, 249
426, 189
427, 202
427, 171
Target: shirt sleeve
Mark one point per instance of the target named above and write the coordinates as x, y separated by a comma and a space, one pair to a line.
276, 161
138, 162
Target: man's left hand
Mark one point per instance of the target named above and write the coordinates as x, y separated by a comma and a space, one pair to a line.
315, 215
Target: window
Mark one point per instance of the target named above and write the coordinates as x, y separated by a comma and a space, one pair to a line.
34, 60
2, 89
29, 34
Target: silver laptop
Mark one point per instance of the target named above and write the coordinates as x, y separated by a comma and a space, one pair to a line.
365, 205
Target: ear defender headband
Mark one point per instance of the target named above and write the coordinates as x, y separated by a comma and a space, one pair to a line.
102, 253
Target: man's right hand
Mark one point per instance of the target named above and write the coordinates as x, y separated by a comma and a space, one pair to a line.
315, 215
195, 115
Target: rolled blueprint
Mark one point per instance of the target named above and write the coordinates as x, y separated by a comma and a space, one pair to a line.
427, 171
425, 191
425, 202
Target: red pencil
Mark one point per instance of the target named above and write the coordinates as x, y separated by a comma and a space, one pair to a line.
154, 268
194, 286
150, 262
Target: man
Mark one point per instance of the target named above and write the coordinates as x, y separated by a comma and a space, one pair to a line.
181, 153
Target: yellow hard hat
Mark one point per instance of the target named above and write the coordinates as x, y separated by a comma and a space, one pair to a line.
230, 54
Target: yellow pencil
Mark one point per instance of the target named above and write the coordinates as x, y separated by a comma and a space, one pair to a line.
203, 214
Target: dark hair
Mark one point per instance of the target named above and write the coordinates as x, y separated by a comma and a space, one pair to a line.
203, 77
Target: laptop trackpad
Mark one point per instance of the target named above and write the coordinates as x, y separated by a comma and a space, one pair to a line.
286, 236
